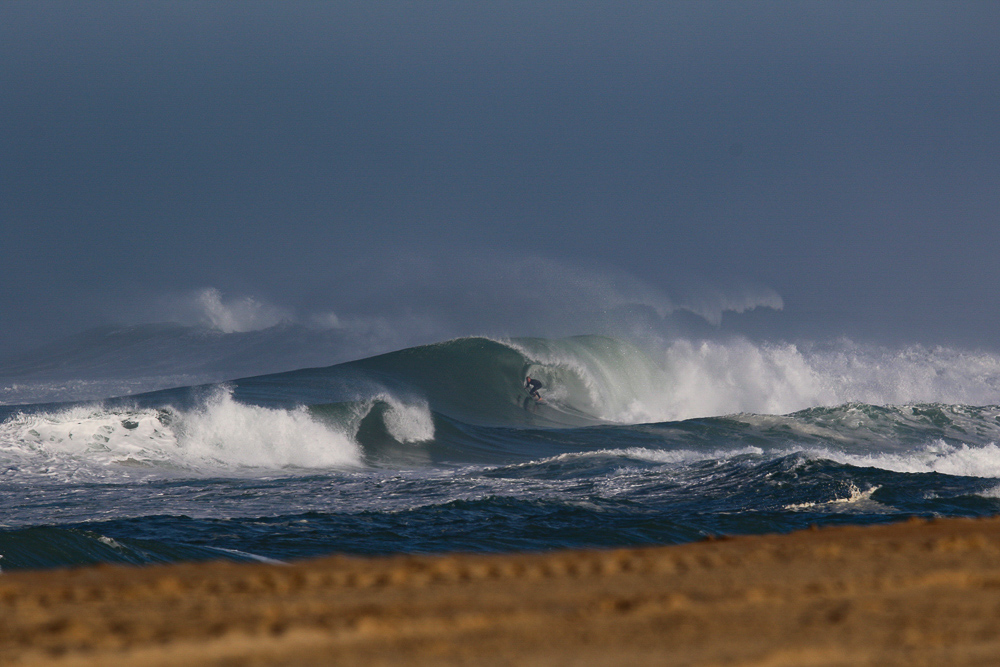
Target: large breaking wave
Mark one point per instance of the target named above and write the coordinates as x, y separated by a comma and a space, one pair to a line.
463, 401
596, 379
438, 447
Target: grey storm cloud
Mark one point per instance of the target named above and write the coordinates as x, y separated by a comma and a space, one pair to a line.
842, 155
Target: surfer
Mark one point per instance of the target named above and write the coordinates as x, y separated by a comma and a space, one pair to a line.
533, 386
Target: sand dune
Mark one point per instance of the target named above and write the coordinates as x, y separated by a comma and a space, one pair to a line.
917, 593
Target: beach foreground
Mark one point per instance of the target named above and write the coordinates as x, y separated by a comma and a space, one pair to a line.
915, 593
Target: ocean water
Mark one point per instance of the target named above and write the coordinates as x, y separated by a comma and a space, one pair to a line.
438, 448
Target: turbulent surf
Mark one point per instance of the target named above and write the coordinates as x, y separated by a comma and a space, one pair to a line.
440, 448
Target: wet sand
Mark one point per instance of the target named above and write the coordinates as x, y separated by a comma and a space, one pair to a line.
916, 593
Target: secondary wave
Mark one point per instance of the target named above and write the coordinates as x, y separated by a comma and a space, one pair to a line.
220, 433
217, 434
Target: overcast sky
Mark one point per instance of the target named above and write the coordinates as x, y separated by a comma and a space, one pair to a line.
475, 165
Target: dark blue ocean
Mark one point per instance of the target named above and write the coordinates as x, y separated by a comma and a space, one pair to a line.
438, 448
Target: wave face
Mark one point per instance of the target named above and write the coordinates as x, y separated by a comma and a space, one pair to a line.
586, 380
597, 380
439, 448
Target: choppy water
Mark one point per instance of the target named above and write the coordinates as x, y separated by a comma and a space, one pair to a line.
438, 448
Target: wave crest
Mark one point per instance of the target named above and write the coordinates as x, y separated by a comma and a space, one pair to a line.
219, 434
596, 379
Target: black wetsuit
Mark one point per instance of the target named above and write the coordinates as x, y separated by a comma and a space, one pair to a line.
533, 385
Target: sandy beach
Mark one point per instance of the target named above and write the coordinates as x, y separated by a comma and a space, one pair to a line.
915, 593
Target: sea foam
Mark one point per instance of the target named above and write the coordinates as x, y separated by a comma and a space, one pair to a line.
618, 382
936, 457
219, 434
